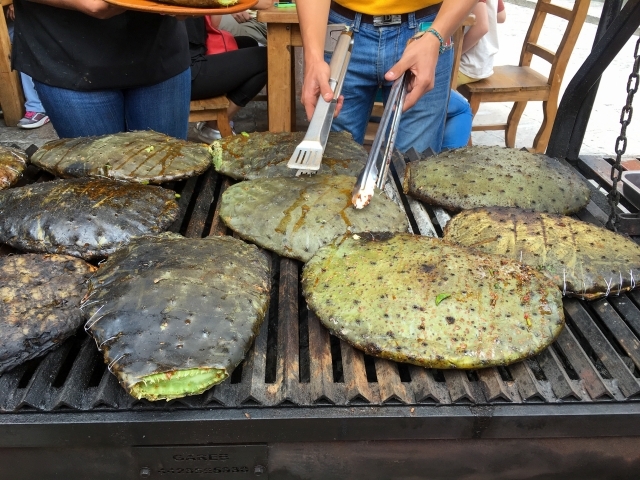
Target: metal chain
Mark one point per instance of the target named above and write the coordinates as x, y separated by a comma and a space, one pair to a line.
621, 142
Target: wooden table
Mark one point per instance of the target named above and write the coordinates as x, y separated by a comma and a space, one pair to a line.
283, 33
11, 98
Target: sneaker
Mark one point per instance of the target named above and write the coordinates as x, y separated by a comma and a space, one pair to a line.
33, 120
208, 134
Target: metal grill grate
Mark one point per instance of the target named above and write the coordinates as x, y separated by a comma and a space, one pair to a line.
296, 362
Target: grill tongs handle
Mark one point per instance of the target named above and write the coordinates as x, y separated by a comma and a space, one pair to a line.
307, 157
376, 169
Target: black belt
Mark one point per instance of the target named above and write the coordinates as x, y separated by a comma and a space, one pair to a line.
351, 15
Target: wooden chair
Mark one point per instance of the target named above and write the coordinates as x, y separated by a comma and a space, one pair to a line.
521, 84
11, 97
212, 109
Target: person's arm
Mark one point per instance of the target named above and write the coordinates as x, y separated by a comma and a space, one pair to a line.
313, 16
473, 35
502, 13
242, 17
421, 57
215, 20
263, 4
94, 8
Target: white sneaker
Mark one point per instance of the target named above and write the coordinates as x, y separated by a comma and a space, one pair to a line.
208, 134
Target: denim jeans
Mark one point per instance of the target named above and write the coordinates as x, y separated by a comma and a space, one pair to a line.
163, 107
457, 129
32, 101
375, 51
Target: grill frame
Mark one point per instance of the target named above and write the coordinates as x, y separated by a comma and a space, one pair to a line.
268, 404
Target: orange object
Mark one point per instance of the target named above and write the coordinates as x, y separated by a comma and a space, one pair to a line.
157, 7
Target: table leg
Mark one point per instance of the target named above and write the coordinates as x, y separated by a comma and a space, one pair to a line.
279, 76
11, 98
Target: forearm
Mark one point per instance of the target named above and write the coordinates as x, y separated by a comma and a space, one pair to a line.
215, 20
94, 8
313, 16
477, 31
263, 4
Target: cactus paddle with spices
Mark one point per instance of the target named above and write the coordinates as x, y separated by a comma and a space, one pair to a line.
584, 260
142, 157
424, 301
265, 154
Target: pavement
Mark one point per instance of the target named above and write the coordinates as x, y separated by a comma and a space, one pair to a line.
604, 124
602, 131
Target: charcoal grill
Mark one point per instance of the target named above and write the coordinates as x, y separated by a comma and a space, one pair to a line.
306, 405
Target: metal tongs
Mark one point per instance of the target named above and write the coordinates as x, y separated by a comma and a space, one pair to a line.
376, 169
307, 157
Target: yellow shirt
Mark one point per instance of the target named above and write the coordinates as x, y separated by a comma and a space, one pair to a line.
386, 7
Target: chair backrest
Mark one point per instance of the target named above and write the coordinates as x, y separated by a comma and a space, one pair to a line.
575, 18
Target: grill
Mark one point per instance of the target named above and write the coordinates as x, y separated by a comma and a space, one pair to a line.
301, 384
296, 362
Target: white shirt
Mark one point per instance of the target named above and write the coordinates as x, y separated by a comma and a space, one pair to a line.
477, 62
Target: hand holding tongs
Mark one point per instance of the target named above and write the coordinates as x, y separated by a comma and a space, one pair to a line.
307, 157
373, 175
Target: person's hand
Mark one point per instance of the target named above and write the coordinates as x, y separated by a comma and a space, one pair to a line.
420, 58
241, 17
99, 9
10, 13
316, 83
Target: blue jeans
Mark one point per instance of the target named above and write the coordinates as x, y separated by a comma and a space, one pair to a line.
32, 101
457, 129
163, 107
375, 51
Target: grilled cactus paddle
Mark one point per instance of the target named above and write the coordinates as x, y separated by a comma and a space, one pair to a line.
12, 164
86, 218
259, 155
496, 177
295, 216
143, 157
584, 260
174, 316
424, 301
39, 304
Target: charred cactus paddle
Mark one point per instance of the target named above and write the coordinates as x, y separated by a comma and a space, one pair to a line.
87, 218
39, 304
174, 316
12, 164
